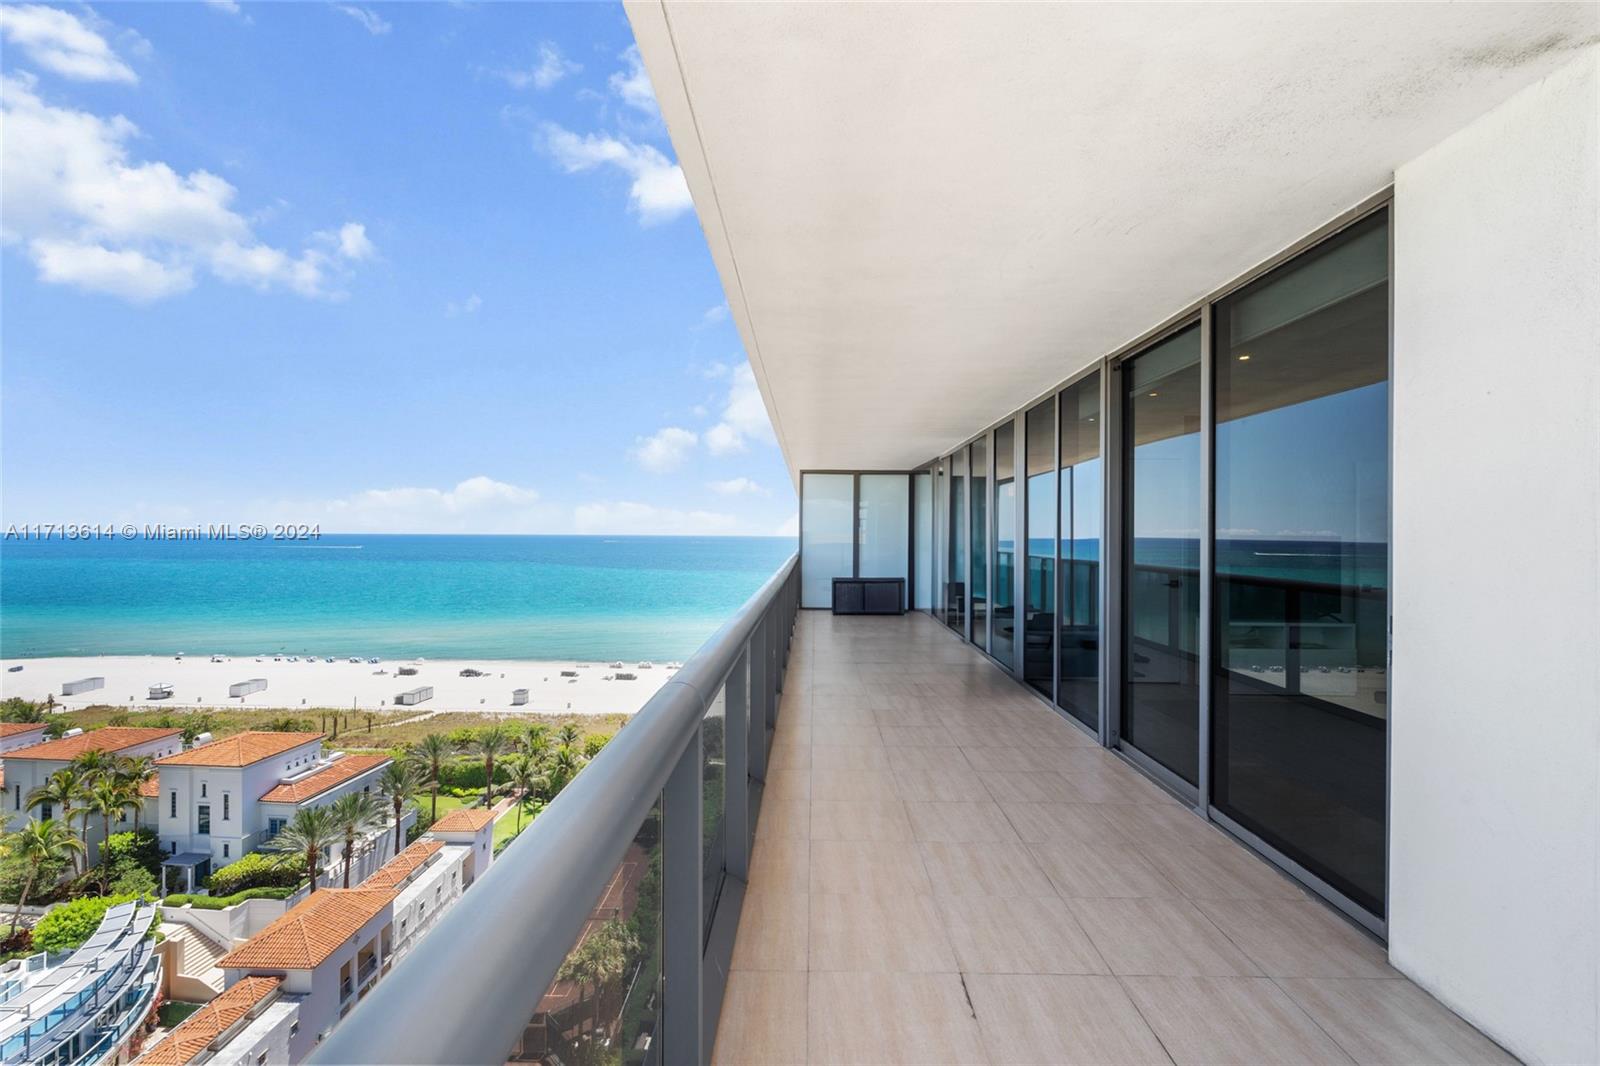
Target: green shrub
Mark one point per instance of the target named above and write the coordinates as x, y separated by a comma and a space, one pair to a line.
14, 873
217, 903
70, 924
142, 848
467, 773
128, 878
259, 870
594, 743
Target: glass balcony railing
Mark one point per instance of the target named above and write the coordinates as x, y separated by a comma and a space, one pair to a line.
603, 934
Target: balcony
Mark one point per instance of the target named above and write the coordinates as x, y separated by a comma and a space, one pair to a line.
928, 865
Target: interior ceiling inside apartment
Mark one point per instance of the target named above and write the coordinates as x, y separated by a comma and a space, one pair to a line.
926, 215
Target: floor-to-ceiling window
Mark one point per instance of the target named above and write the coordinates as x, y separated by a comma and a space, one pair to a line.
1161, 672
922, 511
1081, 510
979, 491
827, 535
955, 574
1299, 707
1039, 579
883, 514
1003, 612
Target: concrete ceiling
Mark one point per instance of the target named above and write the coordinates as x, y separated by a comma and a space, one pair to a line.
926, 215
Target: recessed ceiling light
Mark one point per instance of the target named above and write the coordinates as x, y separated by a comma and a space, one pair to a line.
1245, 358
1155, 394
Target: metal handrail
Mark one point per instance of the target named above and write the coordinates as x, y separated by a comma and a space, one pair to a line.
464, 993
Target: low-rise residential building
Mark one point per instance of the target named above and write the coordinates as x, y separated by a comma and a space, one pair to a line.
20, 735
474, 829
29, 767
290, 984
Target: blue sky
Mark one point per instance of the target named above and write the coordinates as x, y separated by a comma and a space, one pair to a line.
382, 267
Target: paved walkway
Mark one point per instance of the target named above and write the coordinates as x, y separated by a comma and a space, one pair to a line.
947, 872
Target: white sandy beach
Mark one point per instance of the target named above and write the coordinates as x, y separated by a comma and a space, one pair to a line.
197, 682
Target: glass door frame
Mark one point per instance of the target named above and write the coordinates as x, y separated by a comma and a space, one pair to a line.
1113, 564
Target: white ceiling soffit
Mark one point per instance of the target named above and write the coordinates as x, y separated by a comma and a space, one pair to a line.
926, 215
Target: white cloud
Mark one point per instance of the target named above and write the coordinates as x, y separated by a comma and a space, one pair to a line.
744, 416
737, 486
477, 505
665, 450
90, 216
370, 20
129, 274
658, 192
61, 43
632, 84
231, 7
713, 316
551, 67
354, 243
789, 527
625, 518
469, 306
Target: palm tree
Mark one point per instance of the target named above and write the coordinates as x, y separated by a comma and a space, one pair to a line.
398, 784
490, 742
354, 814
62, 789
536, 739
564, 765
108, 799
37, 843
311, 831
431, 752
136, 772
569, 735
528, 778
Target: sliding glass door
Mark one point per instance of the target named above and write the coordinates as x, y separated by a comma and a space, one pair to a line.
979, 491
1161, 614
1081, 486
955, 587
1003, 615
1039, 579
1299, 706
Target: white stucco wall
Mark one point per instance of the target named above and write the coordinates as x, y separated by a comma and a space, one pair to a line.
1495, 772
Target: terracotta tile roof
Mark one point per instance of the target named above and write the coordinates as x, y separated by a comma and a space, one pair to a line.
11, 729
319, 782
152, 788
403, 865
111, 738
463, 820
310, 931
241, 749
188, 1040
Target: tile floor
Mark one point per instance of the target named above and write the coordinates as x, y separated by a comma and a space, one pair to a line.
946, 872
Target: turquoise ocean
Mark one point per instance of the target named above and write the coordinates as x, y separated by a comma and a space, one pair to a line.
488, 597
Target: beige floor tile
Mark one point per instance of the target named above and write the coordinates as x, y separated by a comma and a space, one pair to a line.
1241, 1021
1223, 871
1027, 1019
922, 736
763, 1021
969, 822
791, 733
1111, 870
878, 932
870, 819
1159, 937
1384, 1022
1059, 823
853, 784
870, 1018
789, 757
1014, 760
849, 757
781, 864
787, 785
1162, 826
833, 714
932, 785
1007, 786
983, 870
1018, 934
844, 867
784, 818
903, 717
773, 930
941, 760
845, 734
1298, 938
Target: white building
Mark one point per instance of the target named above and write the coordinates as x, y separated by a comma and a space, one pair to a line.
29, 767
20, 735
